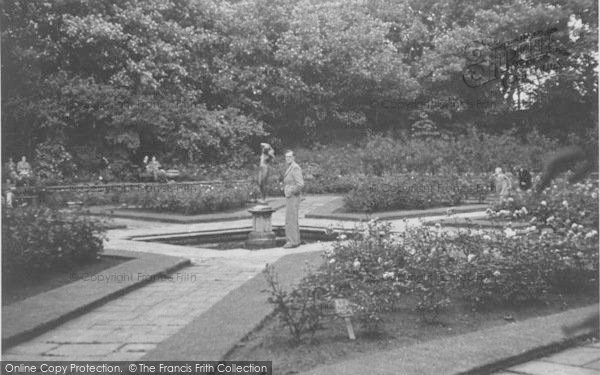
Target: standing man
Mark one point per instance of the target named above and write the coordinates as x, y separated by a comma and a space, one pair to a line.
293, 184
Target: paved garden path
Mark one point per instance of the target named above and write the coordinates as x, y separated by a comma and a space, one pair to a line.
582, 360
132, 325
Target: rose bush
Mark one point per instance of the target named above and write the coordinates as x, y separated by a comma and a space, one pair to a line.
432, 267
563, 208
39, 240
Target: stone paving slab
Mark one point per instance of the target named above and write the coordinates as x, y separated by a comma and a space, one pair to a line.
579, 360
575, 356
332, 211
32, 316
547, 368
216, 332
479, 352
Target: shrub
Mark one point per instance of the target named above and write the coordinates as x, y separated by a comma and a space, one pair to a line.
412, 191
38, 240
52, 161
300, 310
507, 269
191, 200
564, 208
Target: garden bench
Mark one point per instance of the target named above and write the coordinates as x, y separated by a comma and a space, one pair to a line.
29, 199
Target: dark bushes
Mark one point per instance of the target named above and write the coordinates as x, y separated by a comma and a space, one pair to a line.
38, 240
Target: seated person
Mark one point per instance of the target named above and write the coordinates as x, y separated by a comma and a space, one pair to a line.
24, 171
10, 170
525, 182
153, 168
24, 168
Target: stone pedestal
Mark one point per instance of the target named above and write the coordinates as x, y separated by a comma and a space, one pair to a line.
262, 235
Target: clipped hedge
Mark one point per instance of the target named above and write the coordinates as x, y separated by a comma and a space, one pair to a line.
413, 191
38, 240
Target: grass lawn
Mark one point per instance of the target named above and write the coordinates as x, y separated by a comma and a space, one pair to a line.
402, 327
30, 286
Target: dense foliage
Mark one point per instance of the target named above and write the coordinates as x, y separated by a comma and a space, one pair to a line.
37, 241
204, 80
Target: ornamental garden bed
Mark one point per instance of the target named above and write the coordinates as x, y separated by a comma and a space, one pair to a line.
401, 328
186, 199
42, 245
433, 281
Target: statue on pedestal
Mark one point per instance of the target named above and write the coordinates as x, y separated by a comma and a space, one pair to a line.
267, 155
262, 235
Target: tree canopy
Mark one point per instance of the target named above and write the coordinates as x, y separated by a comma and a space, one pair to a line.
200, 80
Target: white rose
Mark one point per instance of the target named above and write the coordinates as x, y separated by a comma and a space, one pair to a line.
509, 232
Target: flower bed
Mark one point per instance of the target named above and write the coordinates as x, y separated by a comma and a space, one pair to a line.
179, 198
419, 285
414, 191
376, 269
563, 208
36, 241
197, 200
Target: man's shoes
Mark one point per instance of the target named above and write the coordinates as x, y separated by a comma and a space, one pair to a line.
289, 245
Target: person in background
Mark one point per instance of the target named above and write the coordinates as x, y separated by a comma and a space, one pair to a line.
24, 168
153, 168
502, 184
293, 184
24, 171
11, 170
525, 182
9, 199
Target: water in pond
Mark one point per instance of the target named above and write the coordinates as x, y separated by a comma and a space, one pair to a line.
235, 239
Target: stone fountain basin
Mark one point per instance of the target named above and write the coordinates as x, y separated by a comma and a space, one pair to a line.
229, 239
